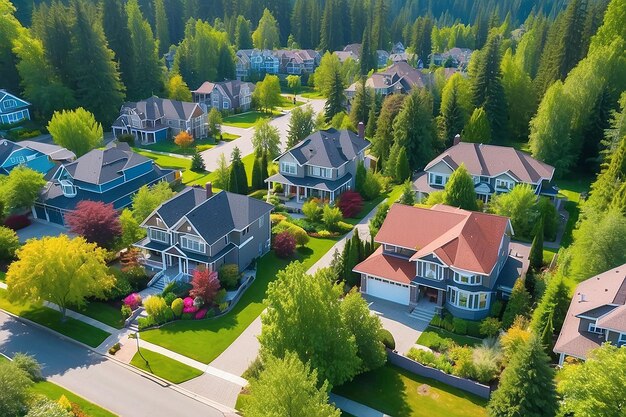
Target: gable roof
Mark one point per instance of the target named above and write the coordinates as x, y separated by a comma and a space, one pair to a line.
492, 160
99, 166
172, 210
7, 147
54, 152
154, 108
21, 102
463, 239
594, 297
400, 75
329, 148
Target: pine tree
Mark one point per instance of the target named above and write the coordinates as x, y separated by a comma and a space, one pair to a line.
536, 250
361, 103
380, 31
197, 163
527, 387
266, 35
370, 127
520, 101
455, 106
403, 172
477, 129
459, 190
243, 35
115, 25
421, 40
414, 128
518, 304
334, 104
408, 195
9, 30
383, 139
264, 170
257, 175
161, 27
367, 61
237, 180
392, 160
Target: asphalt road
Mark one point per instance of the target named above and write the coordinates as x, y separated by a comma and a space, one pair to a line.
100, 380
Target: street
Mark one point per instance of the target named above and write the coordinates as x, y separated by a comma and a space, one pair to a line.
100, 380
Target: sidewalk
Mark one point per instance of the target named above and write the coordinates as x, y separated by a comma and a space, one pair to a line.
354, 408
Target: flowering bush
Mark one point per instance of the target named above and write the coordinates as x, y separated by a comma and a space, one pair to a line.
188, 306
133, 300
17, 221
205, 286
284, 244
201, 314
350, 203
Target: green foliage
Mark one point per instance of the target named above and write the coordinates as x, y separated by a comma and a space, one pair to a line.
14, 384
177, 88
520, 205
214, 119
266, 35
361, 103
228, 274
155, 306
243, 34
294, 82
312, 211
288, 387
403, 172
536, 249
408, 195
377, 221
477, 129
383, 139
267, 93
372, 186
29, 365
414, 128
131, 231
527, 374
459, 190
148, 198
520, 101
331, 216
490, 327
177, 307
9, 243
387, 339
197, 163
455, 107
76, 130
162, 33
222, 173
301, 125
518, 304
266, 139
325, 73
334, 103
257, 175
237, 178
552, 307
359, 178
550, 218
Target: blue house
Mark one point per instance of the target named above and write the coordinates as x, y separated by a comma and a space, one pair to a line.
12, 108
110, 175
40, 157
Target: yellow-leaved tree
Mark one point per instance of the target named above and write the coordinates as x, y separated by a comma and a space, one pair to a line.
59, 269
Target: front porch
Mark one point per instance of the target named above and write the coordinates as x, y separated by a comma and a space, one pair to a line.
427, 298
301, 190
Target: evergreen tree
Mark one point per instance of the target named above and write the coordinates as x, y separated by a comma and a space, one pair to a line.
520, 101
380, 30
370, 127
161, 28
552, 306
237, 180
332, 25
455, 107
421, 39
408, 195
487, 90
359, 178
9, 31
243, 34
536, 250
301, 125
391, 162
361, 103
477, 129
527, 386
147, 74
266, 35
115, 25
459, 190
414, 128
197, 163
518, 304
383, 139
264, 168
334, 104
300, 23
257, 175
368, 59
96, 79
403, 172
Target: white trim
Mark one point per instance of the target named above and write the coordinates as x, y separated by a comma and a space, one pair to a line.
245, 243
451, 289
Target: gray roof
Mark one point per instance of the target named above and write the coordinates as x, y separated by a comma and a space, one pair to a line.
7, 148
225, 212
55, 152
154, 108
311, 182
103, 165
175, 208
329, 148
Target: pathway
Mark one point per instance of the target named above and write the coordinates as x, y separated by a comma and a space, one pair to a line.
354, 408
244, 142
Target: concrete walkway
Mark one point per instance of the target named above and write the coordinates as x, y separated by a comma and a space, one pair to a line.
354, 408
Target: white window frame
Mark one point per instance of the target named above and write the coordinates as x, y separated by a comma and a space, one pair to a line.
470, 279
225, 104
288, 168
474, 301
621, 340
592, 328
192, 243
507, 184
9, 103
438, 271
159, 235
433, 177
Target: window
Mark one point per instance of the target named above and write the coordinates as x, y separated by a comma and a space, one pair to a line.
288, 168
245, 231
159, 235
484, 179
468, 300
432, 271
502, 184
468, 279
321, 172
225, 104
67, 188
436, 179
192, 244
622, 340
9, 103
593, 329
261, 222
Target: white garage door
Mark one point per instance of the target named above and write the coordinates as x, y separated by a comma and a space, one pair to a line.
388, 291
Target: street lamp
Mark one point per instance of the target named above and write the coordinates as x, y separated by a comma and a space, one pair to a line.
139, 350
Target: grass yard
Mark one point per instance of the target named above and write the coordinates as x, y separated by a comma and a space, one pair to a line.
245, 120
432, 333
54, 392
164, 367
200, 145
204, 340
51, 319
548, 254
103, 312
368, 206
286, 103
174, 162
397, 392
572, 190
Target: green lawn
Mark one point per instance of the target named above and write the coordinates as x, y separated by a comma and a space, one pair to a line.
572, 190
368, 206
47, 317
204, 340
200, 145
432, 332
397, 392
174, 162
245, 120
286, 103
104, 313
54, 392
164, 367
548, 254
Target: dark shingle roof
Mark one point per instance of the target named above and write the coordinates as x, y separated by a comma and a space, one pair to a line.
329, 148
175, 208
6, 148
154, 108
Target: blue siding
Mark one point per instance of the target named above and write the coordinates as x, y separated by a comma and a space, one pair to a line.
138, 170
111, 184
469, 314
40, 163
86, 186
161, 135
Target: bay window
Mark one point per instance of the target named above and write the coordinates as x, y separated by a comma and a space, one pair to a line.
468, 279
468, 300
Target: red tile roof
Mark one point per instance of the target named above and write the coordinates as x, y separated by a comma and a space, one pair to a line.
460, 238
387, 266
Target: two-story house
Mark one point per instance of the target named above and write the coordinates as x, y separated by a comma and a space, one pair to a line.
596, 315
243, 66
399, 78
110, 175
156, 119
495, 169
12, 108
441, 257
199, 228
262, 61
40, 157
227, 96
323, 165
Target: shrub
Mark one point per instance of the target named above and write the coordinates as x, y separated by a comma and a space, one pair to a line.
254, 369
278, 188
169, 297
324, 234
29, 365
302, 238
228, 275
371, 186
387, 338
311, 210
496, 309
463, 361
17, 221
186, 316
177, 307
350, 203
125, 311
459, 326
490, 327
276, 218
127, 138
115, 348
222, 307
220, 296
200, 314
9, 243
205, 285
344, 227
66, 404
438, 343
473, 328
308, 226
133, 300
155, 307
444, 322
430, 359
145, 322
486, 363
284, 244
331, 216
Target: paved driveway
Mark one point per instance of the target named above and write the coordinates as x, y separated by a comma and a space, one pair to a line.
39, 229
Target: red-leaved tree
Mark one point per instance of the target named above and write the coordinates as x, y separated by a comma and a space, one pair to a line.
350, 203
95, 221
205, 285
284, 244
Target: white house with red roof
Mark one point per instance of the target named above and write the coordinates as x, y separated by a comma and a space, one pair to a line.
446, 256
597, 314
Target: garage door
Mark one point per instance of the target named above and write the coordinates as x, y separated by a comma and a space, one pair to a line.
55, 215
388, 291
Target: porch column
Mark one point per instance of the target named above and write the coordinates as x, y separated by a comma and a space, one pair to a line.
269, 188
332, 196
298, 194
306, 193
163, 260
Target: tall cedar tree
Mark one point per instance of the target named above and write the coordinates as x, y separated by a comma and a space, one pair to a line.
266, 35
332, 21
257, 175
361, 103
455, 104
383, 139
421, 38
527, 386
403, 172
115, 25
368, 60
487, 90
552, 307
243, 34
477, 129
9, 31
334, 104
414, 128
161, 26
380, 30
459, 190
147, 75
237, 179
93, 65
536, 250
95, 221
518, 304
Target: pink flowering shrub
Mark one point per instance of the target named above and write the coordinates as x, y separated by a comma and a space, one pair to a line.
188, 302
188, 306
201, 314
133, 300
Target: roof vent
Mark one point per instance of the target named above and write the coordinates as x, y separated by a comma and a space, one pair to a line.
582, 298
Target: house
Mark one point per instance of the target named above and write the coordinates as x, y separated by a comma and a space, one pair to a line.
401, 57
12, 108
382, 57
354, 49
110, 175
323, 165
399, 78
495, 169
454, 57
156, 119
344, 55
228, 96
398, 48
261, 61
596, 314
242, 66
298, 61
442, 257
40, 157
199, 228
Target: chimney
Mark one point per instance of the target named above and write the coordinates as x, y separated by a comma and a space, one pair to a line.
209, 189
361, 129
582, 298
457, 139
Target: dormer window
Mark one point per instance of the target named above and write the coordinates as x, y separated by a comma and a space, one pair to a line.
9, 103
68, 188
593, 329
288, 168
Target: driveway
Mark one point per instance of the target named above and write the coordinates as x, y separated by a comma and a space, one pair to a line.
96, 378
39, 229
244, 143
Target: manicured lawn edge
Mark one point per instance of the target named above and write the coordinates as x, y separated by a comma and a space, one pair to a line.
457, 338
47, 317
103, 312
164, 367
246, 120
54, 392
